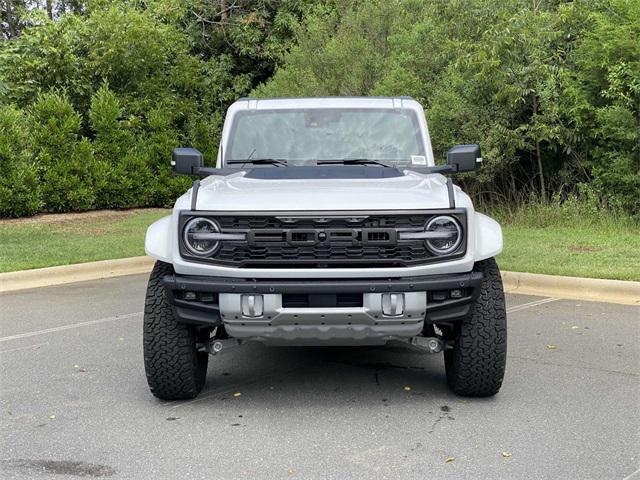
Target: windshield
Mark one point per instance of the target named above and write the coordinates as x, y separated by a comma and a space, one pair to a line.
309, 136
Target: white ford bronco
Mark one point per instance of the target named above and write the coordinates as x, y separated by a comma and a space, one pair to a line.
325, 222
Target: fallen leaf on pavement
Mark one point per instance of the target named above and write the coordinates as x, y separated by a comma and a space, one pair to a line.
506, 454
551, 346
52, 417
449, 459
574, 327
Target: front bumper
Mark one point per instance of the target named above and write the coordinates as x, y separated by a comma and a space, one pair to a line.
214, 301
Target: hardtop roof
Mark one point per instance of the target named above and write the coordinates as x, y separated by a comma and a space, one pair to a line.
250, 103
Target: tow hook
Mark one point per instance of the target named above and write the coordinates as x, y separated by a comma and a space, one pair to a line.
217, 346
427, 344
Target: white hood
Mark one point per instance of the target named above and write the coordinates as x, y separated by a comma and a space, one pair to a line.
238, 193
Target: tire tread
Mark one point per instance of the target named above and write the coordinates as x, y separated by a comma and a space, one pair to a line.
174, 368
476, 364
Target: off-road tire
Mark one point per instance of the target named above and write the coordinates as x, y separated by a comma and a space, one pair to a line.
175, 369
475, 365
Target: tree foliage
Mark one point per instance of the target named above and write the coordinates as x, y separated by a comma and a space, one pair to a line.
548, 88
94, 95
97, 96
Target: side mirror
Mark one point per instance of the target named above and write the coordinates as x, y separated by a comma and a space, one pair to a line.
186, 160
464, 158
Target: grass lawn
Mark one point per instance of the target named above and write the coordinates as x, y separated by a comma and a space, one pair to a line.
49, 240
573, 249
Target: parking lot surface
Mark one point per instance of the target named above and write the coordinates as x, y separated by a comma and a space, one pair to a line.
74, 400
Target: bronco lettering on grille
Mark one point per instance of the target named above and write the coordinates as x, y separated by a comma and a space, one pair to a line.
323, 236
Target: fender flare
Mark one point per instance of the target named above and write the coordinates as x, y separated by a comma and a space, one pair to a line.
157, 242
488, 241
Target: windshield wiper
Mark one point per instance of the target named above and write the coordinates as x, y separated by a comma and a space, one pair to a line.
354, 161
281, 162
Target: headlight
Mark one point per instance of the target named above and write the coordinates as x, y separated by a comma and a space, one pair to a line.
450, 238
201, 236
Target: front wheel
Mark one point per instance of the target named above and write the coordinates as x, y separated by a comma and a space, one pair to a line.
475, 365
175, 369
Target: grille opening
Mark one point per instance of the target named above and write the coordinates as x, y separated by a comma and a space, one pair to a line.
378, 236
268, 236
302, 236
324, 300
197, 297
436, 296
348, 236
347, 263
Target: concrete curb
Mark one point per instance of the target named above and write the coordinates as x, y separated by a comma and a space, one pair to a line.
611, 291
593, 289
80, 272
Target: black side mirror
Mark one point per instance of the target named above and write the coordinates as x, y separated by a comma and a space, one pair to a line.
186, 160
464, 158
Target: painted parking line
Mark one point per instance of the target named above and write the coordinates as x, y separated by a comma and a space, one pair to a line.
524, 306
70, 327
634, 476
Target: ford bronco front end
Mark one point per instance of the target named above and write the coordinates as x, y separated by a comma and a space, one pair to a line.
325, 222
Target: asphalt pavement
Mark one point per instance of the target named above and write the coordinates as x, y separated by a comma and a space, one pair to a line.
74, 400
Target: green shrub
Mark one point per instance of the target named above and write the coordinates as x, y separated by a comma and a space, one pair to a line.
64, 159
121, 174
19, 184
67, 184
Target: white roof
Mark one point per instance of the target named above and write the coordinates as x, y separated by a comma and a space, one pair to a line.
325, 102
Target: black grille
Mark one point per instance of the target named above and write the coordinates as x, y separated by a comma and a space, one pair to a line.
348, 241
285, 222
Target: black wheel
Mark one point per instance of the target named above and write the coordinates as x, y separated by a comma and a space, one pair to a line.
476, 363
175, 369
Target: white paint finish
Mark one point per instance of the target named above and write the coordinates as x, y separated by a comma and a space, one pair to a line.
488, 237
181, 266
157, 242
413, 191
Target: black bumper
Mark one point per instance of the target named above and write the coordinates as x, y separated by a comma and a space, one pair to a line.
195, 298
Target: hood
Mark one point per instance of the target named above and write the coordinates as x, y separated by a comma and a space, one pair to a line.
240, 192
